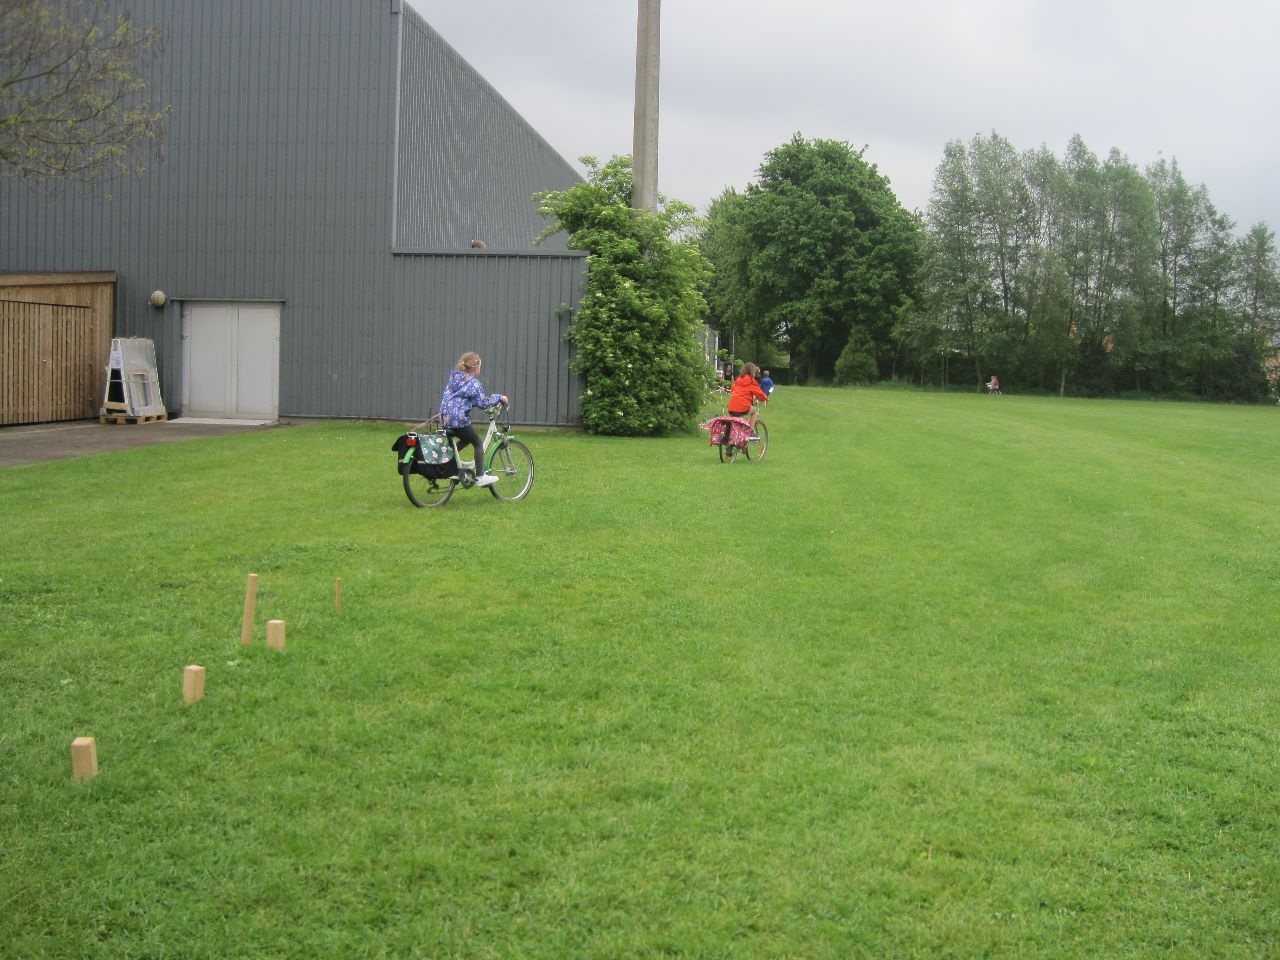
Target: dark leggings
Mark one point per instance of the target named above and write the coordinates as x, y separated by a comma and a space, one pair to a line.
467, 436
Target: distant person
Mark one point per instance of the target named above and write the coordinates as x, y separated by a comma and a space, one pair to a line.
993, 385
766, 382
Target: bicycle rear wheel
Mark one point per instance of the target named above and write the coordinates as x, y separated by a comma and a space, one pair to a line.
423, 491
512, 463
754, 450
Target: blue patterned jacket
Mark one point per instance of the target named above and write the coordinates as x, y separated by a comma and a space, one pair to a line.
461, 393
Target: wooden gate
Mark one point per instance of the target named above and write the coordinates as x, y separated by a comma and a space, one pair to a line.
55, 335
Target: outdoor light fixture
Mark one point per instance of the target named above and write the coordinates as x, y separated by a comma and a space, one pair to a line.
158, 298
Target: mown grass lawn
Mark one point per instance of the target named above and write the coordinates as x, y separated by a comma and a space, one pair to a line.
945, 676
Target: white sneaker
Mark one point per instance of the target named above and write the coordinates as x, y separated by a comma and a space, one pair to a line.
486, 480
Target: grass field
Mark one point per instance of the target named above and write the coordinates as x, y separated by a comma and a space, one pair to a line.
945, 676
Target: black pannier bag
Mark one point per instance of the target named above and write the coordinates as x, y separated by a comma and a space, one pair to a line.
419, 465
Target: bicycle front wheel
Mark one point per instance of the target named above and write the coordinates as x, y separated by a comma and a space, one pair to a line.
756, 448
512, 463
423, 491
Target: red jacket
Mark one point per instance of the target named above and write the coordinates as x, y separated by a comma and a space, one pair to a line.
745, 389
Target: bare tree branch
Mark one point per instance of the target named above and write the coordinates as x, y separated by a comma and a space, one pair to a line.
72, 93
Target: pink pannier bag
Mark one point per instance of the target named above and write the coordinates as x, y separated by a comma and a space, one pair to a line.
739, 430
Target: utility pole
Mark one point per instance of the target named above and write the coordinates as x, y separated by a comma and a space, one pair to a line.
644, 151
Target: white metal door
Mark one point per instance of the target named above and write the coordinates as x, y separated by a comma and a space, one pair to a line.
231, 360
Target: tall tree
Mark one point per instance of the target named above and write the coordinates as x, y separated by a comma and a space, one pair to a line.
824, 246
1258, 280
959, 297
723, 242
72, 105
1181, 214
1127, 288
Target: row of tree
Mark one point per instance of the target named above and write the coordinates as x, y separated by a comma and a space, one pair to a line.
1072, 274
1087, 275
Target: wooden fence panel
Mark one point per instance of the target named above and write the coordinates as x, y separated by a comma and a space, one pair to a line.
55, 335
48, 362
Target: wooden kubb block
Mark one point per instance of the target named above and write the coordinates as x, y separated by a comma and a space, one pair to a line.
275, 634
250, 599
84, 758
193, 683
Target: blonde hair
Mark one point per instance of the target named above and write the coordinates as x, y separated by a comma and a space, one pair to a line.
750, 368
469, 362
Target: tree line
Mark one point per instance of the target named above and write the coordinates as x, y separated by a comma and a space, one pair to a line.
1072, 274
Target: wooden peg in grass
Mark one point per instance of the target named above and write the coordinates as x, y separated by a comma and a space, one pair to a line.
84, 758
193, 684
250, 598
275, 634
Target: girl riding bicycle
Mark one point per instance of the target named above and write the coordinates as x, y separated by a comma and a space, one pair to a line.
745, 390
462, 393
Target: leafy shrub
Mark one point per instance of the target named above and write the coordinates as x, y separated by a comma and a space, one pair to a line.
857, 361
635, 333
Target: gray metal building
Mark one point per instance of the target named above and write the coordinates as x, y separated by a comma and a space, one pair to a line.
330, 166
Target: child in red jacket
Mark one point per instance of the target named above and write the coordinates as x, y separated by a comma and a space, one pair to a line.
745, 389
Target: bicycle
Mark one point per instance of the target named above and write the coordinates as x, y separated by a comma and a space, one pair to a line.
431, 484
759, 441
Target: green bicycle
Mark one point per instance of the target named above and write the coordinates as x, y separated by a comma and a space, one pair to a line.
431, 484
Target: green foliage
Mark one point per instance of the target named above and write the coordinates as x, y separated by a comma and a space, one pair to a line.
857, 361
635, 334
817, 246
1043, 724
1088, 276
71, 88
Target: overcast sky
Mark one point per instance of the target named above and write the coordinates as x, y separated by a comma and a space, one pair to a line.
1192, 81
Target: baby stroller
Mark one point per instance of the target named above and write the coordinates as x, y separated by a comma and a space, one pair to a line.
993, 385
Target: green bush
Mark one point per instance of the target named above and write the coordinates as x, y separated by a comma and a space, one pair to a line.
635, 334
857, 361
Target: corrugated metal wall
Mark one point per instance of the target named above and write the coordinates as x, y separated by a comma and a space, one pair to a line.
278, 183
505, 307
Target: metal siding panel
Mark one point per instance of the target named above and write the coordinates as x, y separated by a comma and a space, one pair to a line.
495, 304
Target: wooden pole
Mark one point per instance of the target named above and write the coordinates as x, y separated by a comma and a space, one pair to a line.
337, 595
644, 148
84, 758
275, 634
193, 684
250, 598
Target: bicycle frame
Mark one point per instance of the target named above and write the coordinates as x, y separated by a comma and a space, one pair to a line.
466, 469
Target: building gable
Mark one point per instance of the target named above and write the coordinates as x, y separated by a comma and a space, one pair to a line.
467, 163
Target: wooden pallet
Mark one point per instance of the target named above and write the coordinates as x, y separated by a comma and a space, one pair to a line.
106, 417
